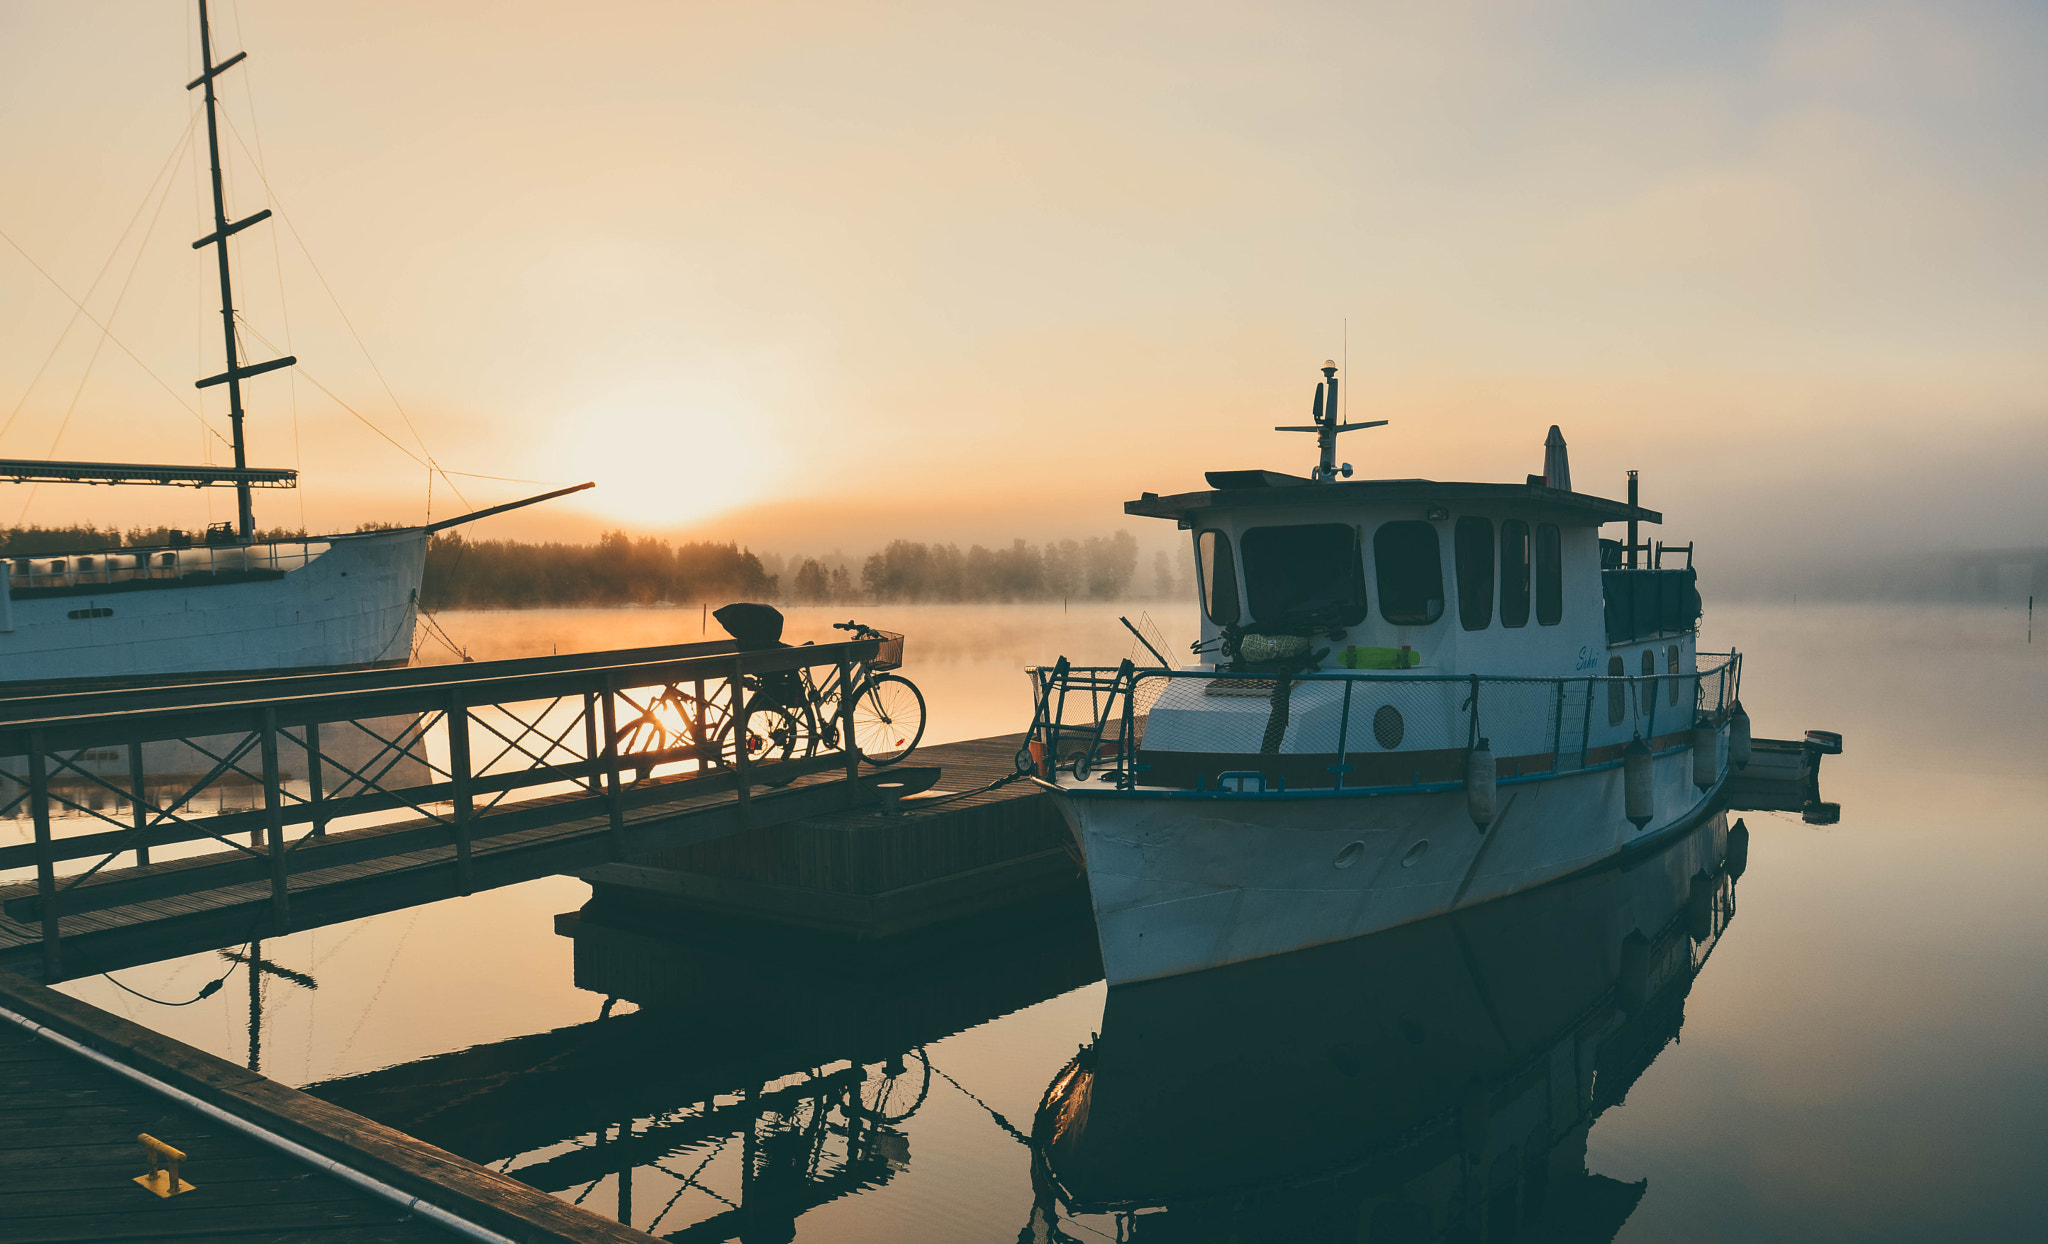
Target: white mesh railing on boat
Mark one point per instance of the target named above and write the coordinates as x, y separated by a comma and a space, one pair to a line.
129, 565
1194, 729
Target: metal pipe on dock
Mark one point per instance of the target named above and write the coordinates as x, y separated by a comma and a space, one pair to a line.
319, 1161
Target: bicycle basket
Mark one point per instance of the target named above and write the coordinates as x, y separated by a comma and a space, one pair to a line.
889, 653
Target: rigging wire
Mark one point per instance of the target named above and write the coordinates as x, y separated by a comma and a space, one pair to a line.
277, 267
106, 331
78, 306
394, 442
343, 313
207, 990
1001, 1122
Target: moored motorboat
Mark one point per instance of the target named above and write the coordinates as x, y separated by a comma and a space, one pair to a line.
1411, 696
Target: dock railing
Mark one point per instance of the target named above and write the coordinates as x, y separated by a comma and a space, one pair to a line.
1239, 731
442, 750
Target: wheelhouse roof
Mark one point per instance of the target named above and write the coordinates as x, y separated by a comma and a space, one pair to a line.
1242, 490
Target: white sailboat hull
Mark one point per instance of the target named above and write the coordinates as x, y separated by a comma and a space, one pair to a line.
353, 605
1182, 884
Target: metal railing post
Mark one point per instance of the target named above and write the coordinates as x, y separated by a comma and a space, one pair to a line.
591, 780
1127, 741
458, 777
1557, 729
1343, 736
46, 860
615, 813
273, 819
316, 785
697, 739
846, 741
1586, 726
138, 816
741, 763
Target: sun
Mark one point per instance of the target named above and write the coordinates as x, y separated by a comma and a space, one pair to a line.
661, 463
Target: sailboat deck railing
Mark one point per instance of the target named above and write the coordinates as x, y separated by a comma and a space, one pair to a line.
111, 566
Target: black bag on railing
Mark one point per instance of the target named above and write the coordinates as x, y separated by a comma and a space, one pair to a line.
754, 626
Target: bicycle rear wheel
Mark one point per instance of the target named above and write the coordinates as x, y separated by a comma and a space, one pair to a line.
888, 719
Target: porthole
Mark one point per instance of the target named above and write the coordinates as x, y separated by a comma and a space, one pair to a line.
1349, 855
1415, 853
1387, 727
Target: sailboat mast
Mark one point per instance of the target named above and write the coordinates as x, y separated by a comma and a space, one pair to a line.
218, 239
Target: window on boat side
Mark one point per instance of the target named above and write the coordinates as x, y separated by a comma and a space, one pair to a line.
1410, 563
1514, 572
1310, 572
1549, 574
1617, 692
1473, 542
1671, 668
1219, 577
1649, 685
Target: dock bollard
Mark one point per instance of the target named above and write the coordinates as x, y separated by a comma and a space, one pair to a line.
892, 797
163, 1167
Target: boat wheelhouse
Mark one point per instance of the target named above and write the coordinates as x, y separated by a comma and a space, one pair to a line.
1410, 696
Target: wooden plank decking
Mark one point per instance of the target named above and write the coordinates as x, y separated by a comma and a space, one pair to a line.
68, 1152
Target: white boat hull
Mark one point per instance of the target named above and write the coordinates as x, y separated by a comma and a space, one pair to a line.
1181, 883
351, 606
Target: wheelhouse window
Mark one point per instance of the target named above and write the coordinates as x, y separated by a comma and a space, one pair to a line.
1307, 573
1219, 577
1671, 667
1549, 574
1514, 572
1411, 573
1473, 541
1649, 685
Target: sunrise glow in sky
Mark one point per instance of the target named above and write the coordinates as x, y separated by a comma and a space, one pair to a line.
818, 274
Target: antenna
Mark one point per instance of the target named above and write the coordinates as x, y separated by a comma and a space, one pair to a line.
1329, 424
236, 373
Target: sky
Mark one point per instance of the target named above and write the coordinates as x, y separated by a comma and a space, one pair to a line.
812, 276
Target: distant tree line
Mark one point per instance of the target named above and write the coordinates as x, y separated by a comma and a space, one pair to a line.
1098, 568
617, 570
621, 569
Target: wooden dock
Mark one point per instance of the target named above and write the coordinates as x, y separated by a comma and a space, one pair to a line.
872, 871
510, 771
69, 1153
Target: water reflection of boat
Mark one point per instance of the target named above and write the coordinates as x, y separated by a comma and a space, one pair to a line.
1514, 700
765, 1075
1433, 1082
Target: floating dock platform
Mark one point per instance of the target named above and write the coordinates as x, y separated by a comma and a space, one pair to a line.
869, 872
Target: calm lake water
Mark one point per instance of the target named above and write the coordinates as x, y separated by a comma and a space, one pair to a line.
1860, 1055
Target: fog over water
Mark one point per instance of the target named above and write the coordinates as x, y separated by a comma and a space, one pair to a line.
1859, 1058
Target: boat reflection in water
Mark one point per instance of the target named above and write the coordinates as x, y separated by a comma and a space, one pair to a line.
1433, 1082
764, 1076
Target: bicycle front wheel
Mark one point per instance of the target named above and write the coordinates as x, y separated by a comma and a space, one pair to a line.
888, 719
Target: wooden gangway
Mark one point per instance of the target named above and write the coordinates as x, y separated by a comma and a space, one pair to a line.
369, 791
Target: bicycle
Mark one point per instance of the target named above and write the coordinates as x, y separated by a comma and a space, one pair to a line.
792, 719
788, 714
